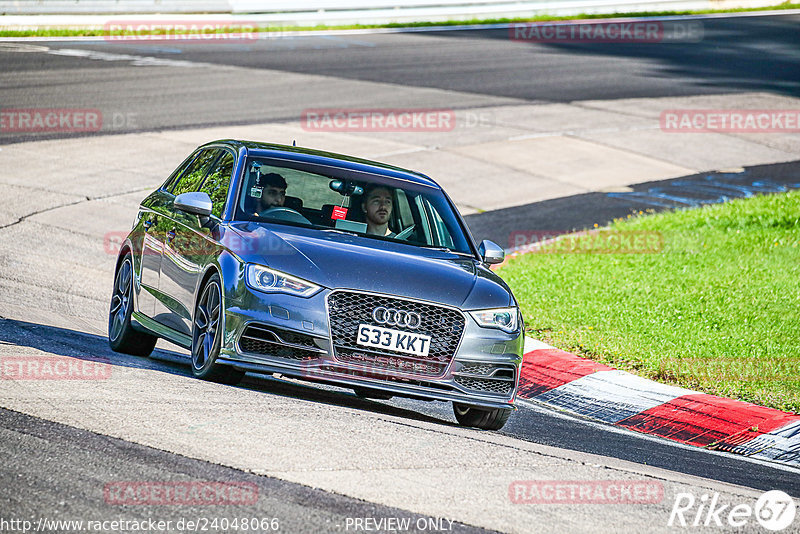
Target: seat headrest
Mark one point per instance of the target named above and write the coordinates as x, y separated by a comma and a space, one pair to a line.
294, 203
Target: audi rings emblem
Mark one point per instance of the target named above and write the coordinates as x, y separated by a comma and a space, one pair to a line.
392, 317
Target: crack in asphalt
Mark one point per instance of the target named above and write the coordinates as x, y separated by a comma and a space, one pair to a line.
68, 204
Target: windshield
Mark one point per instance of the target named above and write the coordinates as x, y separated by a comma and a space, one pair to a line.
370, 206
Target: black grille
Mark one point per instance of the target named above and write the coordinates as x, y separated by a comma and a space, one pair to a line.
361, 373
478, 368
260, 340
295, 338
488, 385
347, 310
488, 369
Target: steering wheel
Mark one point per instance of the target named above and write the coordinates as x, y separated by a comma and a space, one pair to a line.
405, 234
282, 213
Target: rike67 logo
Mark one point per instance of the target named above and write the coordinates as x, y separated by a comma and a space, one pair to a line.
774, 510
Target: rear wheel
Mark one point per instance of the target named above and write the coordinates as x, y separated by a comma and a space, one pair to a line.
483, 418
121, 335
207, 335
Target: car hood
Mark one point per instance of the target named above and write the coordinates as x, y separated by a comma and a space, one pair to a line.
344, 261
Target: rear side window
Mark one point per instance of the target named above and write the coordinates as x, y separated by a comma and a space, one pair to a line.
218, 182
194, 175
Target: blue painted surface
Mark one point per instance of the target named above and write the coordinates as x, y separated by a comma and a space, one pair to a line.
710, 189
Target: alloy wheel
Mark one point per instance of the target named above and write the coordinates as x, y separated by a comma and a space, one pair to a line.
206, 324
121, 299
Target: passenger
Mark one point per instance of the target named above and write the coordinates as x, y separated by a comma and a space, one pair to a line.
273, 191
377, 206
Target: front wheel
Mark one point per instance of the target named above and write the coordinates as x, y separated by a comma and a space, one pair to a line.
207, 336
121, 335
483, 418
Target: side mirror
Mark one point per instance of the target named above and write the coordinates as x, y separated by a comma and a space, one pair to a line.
198, 203
491, 252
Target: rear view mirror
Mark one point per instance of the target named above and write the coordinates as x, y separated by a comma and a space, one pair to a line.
197, 203
491, 252
346, 188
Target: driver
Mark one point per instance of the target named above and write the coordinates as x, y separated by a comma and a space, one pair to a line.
273, 192
377, 206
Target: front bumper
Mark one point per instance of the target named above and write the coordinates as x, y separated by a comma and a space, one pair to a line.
276, 333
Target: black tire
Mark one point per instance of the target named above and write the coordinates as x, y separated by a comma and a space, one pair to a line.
121, 335
367, 393
483, 418
207, 329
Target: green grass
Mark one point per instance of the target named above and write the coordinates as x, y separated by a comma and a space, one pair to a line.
717, 310
99, 31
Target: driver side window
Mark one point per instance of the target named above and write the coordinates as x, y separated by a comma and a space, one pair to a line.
194, 175
169, 184
218, 182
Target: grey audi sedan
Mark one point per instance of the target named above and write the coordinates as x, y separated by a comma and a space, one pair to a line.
317, 266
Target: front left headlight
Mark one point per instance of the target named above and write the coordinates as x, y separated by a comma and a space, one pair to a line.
269, 280
505, 319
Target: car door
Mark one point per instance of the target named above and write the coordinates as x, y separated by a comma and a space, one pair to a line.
151, 215
190, 246
166, 310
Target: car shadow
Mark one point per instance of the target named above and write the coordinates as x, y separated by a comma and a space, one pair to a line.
90, 347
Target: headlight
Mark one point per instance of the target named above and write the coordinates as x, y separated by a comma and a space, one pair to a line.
268, 280
506, 319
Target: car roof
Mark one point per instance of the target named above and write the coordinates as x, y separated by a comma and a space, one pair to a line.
319, 157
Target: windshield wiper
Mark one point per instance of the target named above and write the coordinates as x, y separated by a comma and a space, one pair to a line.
429, 247
445, 249
339, 231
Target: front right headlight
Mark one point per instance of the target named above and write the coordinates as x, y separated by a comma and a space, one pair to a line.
269, 280
505, 319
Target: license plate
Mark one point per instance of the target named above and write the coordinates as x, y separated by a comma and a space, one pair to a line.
388, 339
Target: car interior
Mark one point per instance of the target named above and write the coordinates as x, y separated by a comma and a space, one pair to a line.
330, 202
346, 213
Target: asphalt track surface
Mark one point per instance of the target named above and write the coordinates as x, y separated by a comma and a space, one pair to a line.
57, 467
531, 423
476, 67
737, 55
